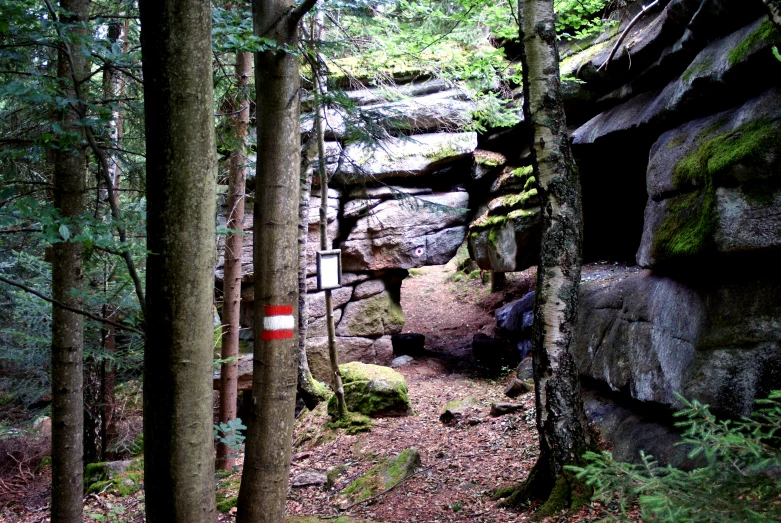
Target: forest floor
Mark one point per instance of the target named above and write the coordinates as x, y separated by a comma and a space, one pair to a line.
461, 464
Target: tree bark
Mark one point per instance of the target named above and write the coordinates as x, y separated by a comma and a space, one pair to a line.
181, 180
270, 427
325, 244
560, 416
306, 390
234, 244
67, 278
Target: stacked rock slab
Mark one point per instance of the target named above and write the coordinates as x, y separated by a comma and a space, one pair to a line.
696, 124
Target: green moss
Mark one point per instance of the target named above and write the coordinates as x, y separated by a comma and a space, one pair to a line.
395, 314
227, 504
354, 423
712, 128
767, 33
415, 272
688, 226
95, 472
442, 153
567, 493
383, 476
371, 390
677, 141
121, 486
691, 218
530, 184
46, 461
522, 213
696, 69
486, 222
522, 172
749, 143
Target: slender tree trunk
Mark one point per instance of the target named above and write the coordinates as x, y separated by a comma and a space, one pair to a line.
67, 277
270, 428
234, 244
306, 390
113, 89
560, 416
181, 180
320, 86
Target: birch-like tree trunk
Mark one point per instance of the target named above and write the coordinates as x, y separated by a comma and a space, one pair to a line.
306, 383
270, 427
560, 417
67, 279
181, 181
234, 244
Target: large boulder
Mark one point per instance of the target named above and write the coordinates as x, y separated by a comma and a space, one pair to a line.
351, 348
407, 233
372, 390
714, 185
652, 336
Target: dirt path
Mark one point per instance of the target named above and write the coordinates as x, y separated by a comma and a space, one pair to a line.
462, 464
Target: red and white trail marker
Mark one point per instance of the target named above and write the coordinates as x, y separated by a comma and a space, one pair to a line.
278, 322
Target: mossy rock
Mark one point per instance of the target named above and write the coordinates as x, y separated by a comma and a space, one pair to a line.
119, 478
372, 390
382, 477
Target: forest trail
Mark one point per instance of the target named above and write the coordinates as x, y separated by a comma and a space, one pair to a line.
461, 464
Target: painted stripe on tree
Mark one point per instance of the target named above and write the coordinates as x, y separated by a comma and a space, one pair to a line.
278, 322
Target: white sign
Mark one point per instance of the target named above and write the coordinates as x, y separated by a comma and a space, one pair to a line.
329, 269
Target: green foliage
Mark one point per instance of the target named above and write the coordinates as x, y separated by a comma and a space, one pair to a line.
738, 479
578, 19
229, 434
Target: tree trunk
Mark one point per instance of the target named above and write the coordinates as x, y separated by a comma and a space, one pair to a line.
333, 353
560, 416
270, 427
234, 244
67, 277
181, 180
306, 384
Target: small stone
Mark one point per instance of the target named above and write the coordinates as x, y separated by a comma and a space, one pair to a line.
500, 409
309, 478
401, 361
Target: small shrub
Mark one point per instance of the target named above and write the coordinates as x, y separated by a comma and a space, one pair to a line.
740, 479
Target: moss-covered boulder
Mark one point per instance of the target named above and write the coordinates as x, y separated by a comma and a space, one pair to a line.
382, 477
120, 478
714, 185
372, 390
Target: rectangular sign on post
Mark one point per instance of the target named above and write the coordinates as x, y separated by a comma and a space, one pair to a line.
329, 269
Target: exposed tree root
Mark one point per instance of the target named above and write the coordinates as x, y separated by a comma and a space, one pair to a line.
566, 493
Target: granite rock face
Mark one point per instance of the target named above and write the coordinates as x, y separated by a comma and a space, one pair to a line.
651, 336
406, 233
714, 185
